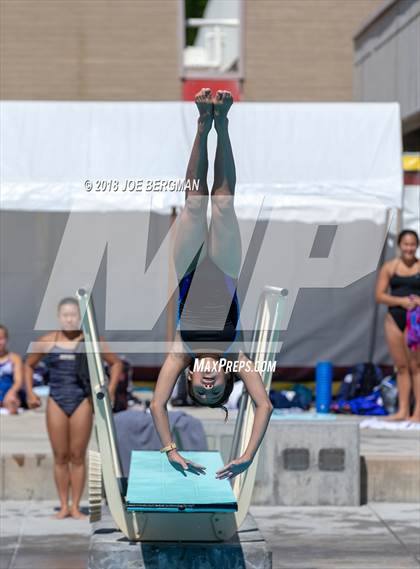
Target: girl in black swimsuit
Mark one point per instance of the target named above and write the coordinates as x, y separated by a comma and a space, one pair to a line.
207, 262
69, 409
404, 294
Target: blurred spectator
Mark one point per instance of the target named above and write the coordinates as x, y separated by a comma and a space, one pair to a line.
11, 375
402, 277
69, 405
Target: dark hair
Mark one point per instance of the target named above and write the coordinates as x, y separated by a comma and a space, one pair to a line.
230, 380
405, 232
5, 330
67, 300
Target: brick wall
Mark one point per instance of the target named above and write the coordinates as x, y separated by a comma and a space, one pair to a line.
89, 49
301, 50
295, 50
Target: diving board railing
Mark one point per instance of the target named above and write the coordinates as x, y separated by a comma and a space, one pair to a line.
264, 348
105, 472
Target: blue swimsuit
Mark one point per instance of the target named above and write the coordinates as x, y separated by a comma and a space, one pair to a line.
6, 378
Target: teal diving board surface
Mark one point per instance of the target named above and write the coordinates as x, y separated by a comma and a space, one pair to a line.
154, 485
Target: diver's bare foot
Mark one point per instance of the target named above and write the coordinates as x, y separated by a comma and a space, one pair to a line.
64, 512
397, 417
204, 102
77, 514
221, 104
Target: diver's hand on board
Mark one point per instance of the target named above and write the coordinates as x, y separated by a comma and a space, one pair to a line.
183, 464
234, 468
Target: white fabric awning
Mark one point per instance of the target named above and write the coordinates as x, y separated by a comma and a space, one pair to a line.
313, 162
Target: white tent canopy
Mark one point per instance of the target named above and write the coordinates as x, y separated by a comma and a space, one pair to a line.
320, 162
327, 175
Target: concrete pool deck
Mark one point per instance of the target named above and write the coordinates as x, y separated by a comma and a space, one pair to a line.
378, 535
374, 536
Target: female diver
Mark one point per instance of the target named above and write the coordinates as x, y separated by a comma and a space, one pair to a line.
402, 276
69, 407
207, 262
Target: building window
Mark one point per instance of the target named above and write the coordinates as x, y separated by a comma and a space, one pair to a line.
211, 39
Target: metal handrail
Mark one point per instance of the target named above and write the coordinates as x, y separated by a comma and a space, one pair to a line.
255, 344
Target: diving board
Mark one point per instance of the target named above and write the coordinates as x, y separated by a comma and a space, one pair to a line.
157, 516
155, 485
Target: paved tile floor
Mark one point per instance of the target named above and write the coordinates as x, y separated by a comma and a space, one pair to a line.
376, 536
32, 539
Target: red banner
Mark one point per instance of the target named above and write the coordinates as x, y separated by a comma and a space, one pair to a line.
191, 87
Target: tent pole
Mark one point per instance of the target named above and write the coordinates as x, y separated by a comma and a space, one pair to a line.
373, 332
170, 320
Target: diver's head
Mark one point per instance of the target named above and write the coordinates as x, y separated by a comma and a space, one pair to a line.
208, 382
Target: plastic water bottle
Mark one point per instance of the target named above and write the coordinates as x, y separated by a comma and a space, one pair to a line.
323, 381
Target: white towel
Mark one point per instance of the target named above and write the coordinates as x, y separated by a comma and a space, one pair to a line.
374, 423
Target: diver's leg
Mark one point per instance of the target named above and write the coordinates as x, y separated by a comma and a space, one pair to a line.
191, 230
224, 236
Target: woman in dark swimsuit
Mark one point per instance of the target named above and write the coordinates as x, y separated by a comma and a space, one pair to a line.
69, 408
402, 277
207, 262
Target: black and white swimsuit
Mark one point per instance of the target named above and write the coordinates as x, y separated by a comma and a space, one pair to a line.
208, 309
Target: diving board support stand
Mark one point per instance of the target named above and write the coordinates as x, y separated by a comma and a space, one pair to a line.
173, 526
264, 348
113, 480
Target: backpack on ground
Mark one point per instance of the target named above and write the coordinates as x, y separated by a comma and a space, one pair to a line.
360, 381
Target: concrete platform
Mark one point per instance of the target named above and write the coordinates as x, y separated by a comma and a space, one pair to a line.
375, 536
109, 549
390, 466
32, 539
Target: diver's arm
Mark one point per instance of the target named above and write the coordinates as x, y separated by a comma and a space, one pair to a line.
174, 364
262, 414
263, 406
